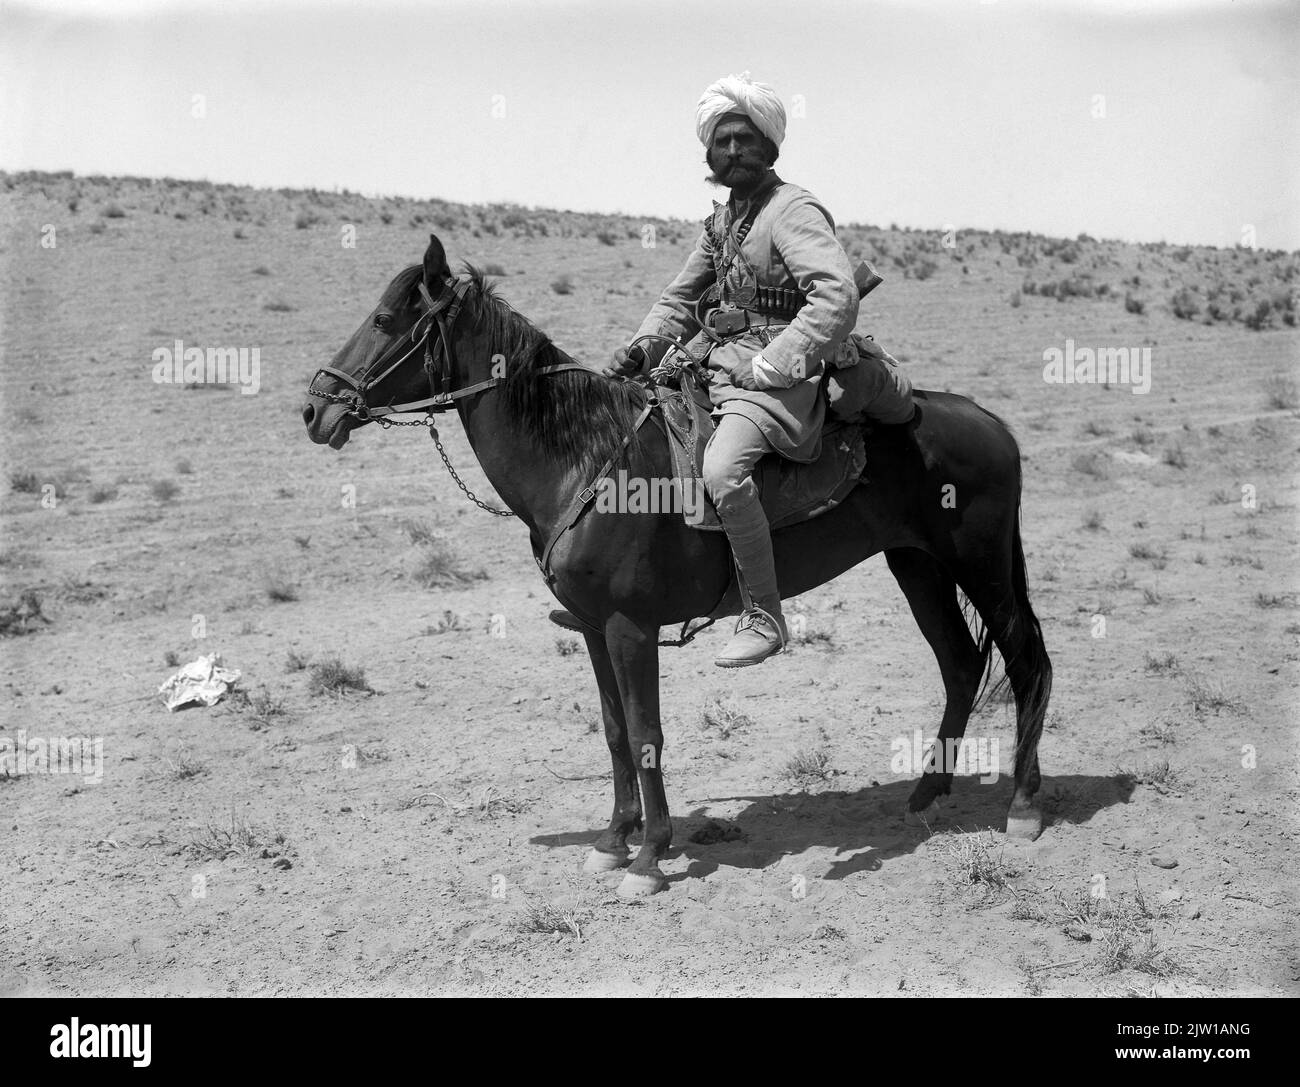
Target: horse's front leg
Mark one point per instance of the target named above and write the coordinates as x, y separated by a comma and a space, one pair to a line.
634, 656
611, 849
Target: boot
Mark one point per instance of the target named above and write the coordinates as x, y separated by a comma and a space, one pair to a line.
567, 620
759, 635
761, 630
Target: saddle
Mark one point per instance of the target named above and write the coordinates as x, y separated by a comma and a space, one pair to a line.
789, 492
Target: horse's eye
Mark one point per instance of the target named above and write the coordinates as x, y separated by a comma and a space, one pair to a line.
382, 321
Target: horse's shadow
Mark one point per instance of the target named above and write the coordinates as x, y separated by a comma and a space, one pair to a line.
865, 827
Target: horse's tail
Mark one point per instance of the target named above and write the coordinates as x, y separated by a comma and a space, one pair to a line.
1028, 655
1033, 657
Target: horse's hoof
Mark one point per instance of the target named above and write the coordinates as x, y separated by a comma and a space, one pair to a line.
923, 819
1027, 825
639, 885
599, 861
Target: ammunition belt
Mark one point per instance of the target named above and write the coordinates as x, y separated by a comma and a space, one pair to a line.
777, 302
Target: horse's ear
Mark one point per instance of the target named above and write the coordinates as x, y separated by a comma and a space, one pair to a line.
436, 271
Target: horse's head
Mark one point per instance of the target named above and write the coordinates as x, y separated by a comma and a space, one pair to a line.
399, 359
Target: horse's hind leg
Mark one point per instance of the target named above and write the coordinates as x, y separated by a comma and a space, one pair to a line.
932, 595
1019, 639
611, 849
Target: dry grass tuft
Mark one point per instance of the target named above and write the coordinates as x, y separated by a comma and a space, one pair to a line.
332, 676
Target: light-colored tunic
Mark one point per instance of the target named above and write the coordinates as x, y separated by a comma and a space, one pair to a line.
791, 244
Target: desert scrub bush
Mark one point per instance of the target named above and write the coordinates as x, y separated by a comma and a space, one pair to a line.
1160, 776
81, 590
808, 768
183, 767
1145, 552
164, 490
438, 566
449, 621
418, 532
1185, 304
1122, 929
724, 717
1205, 695
1262, 317
113, 211
979, 863
1160, 663
1175, 456
924, 268
562, 285
280, 590
542, 917
239, 838
1133, 304
1281, 392
332, 676
18, 617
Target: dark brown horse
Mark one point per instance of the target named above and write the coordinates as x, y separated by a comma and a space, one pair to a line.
942, 503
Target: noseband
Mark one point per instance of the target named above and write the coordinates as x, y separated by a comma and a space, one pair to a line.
439, 361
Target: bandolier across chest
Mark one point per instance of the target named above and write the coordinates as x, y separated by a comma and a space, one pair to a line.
781, 302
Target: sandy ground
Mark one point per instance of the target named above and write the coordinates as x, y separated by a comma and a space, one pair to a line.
428, 837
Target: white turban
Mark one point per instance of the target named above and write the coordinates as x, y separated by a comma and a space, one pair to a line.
740, 94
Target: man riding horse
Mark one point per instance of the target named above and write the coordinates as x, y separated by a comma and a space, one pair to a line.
787, 302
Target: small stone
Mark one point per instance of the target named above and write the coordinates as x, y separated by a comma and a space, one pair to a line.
1164, 862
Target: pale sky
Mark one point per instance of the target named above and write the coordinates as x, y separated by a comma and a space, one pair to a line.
1156, 120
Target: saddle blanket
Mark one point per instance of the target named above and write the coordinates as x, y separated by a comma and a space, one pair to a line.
789, 492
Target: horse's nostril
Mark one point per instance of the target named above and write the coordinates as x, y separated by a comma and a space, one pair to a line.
308, 414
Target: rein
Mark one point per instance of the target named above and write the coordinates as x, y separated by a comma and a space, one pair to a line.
439, 363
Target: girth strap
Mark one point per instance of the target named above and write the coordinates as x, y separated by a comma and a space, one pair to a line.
587, 495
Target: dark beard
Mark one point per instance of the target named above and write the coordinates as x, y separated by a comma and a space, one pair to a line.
745, 172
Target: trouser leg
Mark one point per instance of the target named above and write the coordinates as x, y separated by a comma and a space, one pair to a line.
733, 452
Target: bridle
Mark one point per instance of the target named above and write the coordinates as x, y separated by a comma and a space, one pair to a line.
439, 363
440, 313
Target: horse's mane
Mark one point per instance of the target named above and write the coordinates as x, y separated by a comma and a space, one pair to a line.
580, 419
